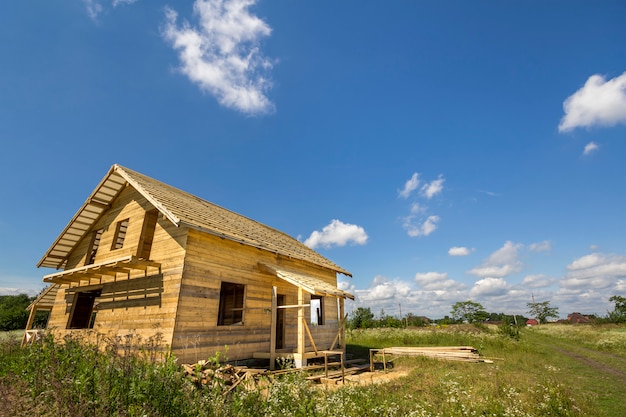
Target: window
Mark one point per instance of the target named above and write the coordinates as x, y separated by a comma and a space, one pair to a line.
317, 309
93, 246
83, 313
120, 234
231, 304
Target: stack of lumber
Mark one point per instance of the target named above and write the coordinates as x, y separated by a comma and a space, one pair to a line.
453, 353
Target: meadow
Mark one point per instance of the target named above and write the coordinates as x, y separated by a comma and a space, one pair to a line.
555, 370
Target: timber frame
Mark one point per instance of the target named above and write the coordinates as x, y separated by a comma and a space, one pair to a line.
142, 257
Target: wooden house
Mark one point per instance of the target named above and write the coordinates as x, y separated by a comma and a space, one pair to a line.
143, 258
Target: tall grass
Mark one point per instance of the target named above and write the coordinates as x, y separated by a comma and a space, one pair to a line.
71, 378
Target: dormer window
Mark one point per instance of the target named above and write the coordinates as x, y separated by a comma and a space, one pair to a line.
120, 234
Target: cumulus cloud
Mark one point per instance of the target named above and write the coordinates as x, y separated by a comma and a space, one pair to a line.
337, 233
222, 55
436, 281
590, 147
502, 262
599, 102
596, 270
433, 188
459, 251
537, 281
384, 289
416, 228
410, 185
544, 246
489, 287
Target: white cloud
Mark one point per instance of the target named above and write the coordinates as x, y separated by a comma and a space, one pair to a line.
590, 147
122, 2
346, 286
489, 287
459, 251
17, 291
417, 208
544, 246
433, 188
337, 233
501, 263
598, 102
436, 281
93, 8
385, 289
222, 53
420, 229
410, 185
537, 281
587, 261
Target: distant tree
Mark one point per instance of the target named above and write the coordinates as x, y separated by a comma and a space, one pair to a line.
362, 318
618, 315
13, 314
468, 311
413, 320
542, 311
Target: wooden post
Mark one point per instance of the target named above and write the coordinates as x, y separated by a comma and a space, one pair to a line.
342, 323
29, 324
273, 328
299, 356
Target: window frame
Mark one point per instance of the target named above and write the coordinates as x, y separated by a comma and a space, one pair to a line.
317, 317
231, 294
84, 309
94, 244
120, 234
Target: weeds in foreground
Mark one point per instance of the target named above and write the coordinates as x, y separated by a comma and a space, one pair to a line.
71, 378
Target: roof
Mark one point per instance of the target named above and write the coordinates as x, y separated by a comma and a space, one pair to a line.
182, 209
307, 283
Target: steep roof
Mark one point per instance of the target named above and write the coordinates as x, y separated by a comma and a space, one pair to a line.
182, 209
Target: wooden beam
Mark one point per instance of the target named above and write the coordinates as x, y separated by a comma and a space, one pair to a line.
300, 347
342, 326
273, 327
308, 331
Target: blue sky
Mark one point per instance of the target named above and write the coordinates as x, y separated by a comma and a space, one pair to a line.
440, 151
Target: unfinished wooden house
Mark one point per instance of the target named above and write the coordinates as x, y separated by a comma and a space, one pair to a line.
141, 257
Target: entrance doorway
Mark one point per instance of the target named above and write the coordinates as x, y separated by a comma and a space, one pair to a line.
280, 322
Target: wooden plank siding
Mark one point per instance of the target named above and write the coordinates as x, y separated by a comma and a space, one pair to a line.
143, 305
211, 260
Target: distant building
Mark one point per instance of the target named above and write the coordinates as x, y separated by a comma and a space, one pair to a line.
531, 322
577, 318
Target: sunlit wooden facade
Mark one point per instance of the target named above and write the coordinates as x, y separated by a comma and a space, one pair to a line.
146, 259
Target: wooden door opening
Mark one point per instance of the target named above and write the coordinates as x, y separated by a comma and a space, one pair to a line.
280, 322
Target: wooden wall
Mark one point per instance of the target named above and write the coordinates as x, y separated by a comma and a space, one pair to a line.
142, 305
209, 261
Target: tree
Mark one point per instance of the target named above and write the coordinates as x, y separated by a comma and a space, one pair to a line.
468, 311
362, 318
13, 314
618, 315
542, 311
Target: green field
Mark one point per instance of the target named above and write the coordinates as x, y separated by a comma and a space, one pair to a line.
556, 370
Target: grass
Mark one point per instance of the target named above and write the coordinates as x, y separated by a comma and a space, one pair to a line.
550, 370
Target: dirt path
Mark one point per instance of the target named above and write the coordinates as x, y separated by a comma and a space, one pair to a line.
595, 364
